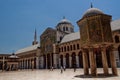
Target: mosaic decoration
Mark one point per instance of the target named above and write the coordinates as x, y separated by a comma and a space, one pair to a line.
107, 31
47, 39
95, 34
83, 32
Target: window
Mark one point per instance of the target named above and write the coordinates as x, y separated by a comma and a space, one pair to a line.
71, 47
74, 47
65, 48
66, 28
59, 49
78, 47
116, 39
63, 28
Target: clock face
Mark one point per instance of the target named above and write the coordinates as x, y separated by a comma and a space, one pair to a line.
95, 32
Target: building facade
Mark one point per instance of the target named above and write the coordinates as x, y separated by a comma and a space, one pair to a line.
64, 47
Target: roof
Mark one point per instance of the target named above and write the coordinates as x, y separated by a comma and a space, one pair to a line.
115, 25
92, 11
30, 48
71, 37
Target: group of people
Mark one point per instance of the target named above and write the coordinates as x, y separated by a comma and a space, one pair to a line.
62, 68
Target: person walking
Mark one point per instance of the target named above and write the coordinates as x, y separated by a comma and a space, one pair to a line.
64, 67
61, 69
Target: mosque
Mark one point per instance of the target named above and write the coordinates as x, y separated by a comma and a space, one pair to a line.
62, 46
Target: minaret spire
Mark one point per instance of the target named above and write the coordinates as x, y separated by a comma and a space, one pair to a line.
91, 5
35, 35
35, 38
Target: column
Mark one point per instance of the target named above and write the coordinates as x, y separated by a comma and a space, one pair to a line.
77, 61
92, 62
64, 61
113, 63
46, 62
104, 61
70, 59
55, 60
85, 63
37, 62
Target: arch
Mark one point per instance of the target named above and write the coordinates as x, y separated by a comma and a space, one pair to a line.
67, 60
48, 61
78, 46
68, 48
117, 39
73, 60
74, 48
119, 51
61, 60
98, 58
80, 59
65, 48
71, 47
63, 28
44, 63
34, 63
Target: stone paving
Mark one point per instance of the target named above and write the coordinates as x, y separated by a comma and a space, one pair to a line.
56, 74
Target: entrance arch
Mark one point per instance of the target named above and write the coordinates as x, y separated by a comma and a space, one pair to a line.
80, 60
48, 61
44, 63
67, 60
73, 60
119, 51
61, 60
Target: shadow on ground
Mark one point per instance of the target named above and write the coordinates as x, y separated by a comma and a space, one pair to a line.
98, 76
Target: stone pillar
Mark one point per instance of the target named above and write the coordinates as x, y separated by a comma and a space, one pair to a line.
113, 63
104, 61
70, 59
92, 62
46, 62
55, 60
37, 62
64, 61
77, 61
85, 63
41, 62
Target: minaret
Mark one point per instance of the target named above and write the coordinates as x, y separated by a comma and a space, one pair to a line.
35, 38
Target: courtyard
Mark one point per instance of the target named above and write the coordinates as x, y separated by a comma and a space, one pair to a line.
45, 74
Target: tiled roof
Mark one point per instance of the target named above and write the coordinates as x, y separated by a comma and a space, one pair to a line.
71, 37
30, 48
115, 25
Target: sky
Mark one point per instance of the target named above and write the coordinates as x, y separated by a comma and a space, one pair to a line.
20, 18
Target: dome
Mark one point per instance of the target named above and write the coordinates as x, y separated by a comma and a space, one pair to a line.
64, 21
65, 26
92, 11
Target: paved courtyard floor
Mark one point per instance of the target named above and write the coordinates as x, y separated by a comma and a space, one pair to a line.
56, 74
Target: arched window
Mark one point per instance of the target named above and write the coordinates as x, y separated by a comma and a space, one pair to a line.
59, 49
78, 47
71, 47
63, 28
74, 47
116, 39
66, 28
119, 52
65, 48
